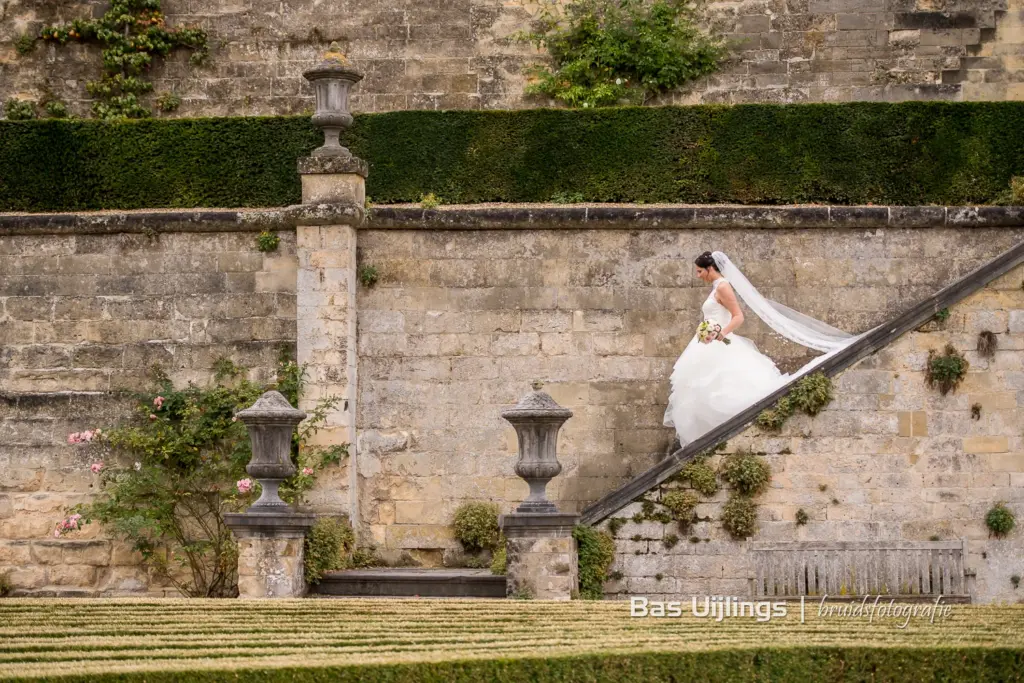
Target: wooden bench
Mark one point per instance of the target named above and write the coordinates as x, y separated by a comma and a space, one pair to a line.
907, 570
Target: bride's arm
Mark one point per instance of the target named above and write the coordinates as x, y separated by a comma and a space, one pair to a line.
727, 297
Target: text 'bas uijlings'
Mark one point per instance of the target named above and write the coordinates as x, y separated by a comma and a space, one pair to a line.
709, 607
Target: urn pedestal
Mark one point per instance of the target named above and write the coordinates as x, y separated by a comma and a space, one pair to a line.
270, 534
540, 548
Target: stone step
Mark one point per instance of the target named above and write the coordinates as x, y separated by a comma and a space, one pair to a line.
405, 582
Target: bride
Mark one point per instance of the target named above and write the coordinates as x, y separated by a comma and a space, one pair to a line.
720, 373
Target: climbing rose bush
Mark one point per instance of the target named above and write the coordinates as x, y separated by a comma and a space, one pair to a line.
171, 470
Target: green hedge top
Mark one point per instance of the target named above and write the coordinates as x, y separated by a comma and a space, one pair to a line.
859, 153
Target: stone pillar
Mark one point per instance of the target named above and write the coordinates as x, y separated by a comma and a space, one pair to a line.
333, 202
541, 552
333, 194
270, 533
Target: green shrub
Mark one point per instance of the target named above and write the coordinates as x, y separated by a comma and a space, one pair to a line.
701, 476
932, 153
328, 544
670, 541
429, 201
476, 526
1000, 520
603, 52
945, 371
499, 563
681, 503
596, 551
802, 517
6, 587
739, 517
747, 473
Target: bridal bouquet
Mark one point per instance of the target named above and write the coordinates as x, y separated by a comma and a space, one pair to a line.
706, 329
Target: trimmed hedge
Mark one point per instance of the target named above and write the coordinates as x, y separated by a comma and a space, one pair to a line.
857, 153
761, 664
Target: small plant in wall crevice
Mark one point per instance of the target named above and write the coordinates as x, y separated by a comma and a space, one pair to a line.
681, 504
987, 344
1000, 520
947, 370
810, 396
802, 517
267, 241
368, 275
748, 474
739, 517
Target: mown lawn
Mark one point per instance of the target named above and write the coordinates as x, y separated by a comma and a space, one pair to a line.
467, 640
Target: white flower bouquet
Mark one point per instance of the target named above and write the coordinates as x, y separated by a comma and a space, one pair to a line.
709, 330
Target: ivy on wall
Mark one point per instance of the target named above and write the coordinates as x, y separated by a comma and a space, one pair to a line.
132, 33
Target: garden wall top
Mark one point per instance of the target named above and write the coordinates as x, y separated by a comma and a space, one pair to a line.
517, 216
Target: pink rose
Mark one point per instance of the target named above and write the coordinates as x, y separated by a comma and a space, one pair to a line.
244, 485
73, 438
158, 402
234, 418
96, 467
307, 471
152, 416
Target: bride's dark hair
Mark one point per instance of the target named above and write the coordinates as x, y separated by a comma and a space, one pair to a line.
706, 260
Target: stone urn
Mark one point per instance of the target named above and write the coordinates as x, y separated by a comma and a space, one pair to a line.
537, 419
270, 421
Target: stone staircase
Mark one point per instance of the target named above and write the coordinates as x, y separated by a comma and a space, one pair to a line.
870, 343
402, 582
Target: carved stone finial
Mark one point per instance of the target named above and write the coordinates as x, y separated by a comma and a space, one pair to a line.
334, 53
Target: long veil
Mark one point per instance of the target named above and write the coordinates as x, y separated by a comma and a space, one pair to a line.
792, 325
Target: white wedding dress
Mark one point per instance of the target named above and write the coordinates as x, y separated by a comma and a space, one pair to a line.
710, 383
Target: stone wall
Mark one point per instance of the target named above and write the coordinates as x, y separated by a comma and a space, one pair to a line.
428, 54
463, 321
889, 459
84, 315
459, 325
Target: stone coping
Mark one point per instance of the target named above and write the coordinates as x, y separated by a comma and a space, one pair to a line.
513, 216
